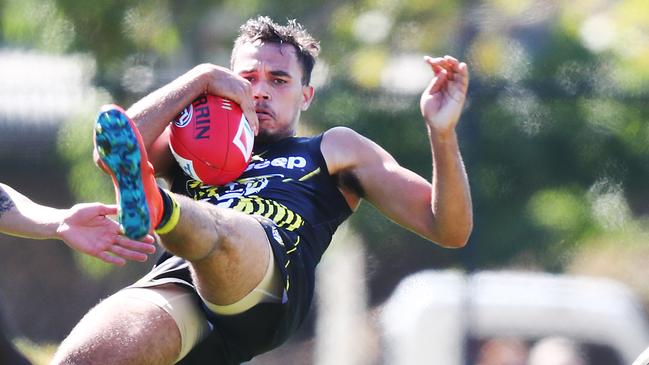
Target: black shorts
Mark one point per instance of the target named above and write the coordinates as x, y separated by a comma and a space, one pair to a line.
238, 338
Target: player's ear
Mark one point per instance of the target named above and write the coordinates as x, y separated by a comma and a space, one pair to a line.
307, 95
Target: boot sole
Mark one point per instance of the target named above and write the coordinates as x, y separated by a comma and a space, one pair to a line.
120, 156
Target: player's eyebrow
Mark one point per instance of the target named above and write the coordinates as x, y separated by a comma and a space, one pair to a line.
280, 73
276, 73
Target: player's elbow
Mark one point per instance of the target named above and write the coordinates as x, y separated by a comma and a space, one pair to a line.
454, 242
455, 238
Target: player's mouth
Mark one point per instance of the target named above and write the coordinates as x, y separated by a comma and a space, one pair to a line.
264, 113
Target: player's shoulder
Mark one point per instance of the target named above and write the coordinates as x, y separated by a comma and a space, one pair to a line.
343, 147
343, 140
347, 139
341, 136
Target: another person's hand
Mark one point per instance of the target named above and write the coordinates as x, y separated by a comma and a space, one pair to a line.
86, 228
442, 102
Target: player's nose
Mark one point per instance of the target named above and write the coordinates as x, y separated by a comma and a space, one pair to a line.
260, 91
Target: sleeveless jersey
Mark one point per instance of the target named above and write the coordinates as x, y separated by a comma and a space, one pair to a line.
286, 181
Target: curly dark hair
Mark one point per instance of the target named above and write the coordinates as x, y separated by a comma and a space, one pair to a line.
265, 29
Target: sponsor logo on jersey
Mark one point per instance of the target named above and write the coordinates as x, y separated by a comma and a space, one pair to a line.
291, 162
242, 196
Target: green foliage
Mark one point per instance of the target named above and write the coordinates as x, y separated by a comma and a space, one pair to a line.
87, 182
554, 134
37, 24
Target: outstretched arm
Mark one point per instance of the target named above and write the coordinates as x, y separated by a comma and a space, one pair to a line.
440, 210
84, 227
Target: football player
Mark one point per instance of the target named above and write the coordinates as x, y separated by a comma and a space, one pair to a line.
238, 275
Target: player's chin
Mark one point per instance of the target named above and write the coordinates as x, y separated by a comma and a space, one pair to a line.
267, 135
264, 135
266, 127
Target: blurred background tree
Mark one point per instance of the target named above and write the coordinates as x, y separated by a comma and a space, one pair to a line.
554, 134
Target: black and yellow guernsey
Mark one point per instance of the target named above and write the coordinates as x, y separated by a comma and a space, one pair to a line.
288, 189
287, 182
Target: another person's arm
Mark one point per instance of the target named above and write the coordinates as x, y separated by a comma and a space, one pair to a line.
440, 210
83, 227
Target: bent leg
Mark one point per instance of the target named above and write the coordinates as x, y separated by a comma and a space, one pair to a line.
228, 250
122, 330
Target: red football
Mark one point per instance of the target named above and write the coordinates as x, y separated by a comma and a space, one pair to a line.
212, 140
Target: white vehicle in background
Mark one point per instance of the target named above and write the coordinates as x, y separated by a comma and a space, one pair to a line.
443, 317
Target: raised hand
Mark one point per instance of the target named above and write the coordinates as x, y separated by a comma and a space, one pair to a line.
86, 228
442, 102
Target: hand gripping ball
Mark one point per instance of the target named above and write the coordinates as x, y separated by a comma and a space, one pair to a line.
212, 140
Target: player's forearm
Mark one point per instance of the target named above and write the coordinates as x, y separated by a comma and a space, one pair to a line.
451, 201
19, 216
153, 113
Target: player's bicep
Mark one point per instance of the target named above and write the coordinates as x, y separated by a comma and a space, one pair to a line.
397, 192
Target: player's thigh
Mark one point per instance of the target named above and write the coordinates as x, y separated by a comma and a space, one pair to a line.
120, 330
240, 263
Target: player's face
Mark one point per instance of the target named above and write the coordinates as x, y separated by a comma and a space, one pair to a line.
276, 78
